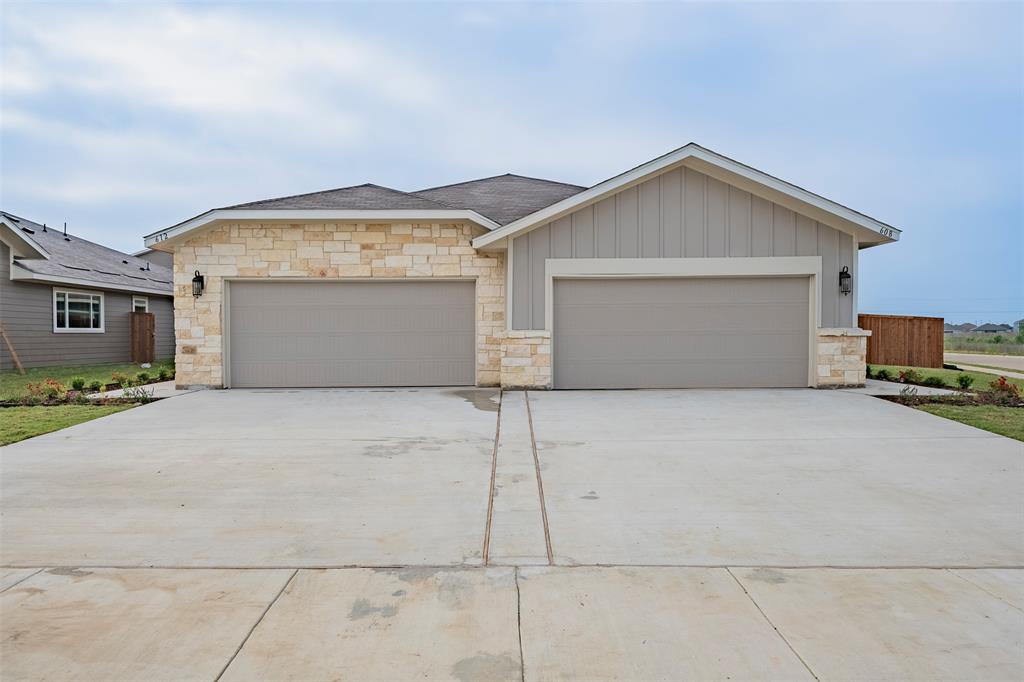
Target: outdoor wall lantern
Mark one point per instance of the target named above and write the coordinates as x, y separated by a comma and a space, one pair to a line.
198, 284
845, 280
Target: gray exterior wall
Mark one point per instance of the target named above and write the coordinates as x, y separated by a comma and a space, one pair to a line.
680, 214
26, 312
158, 258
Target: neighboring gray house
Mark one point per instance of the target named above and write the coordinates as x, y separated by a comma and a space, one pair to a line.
991, 328
65, 300
690, 270
156, 257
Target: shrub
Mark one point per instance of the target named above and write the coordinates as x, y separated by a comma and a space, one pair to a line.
935, 382
964, 381
143, 377
48, 389
883, 375
998, 338
78, 383
1003, 392
121, 379
910, 376
165, 374
868, 373
95, 386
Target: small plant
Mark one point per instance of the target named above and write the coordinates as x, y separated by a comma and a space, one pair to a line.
142, 377
964, 381
1004, 392
121, 379
48, 389
883, 375
910, 376
165, 374
908, 392
935, 382
95, 386
998, 338
78, 383
868, 374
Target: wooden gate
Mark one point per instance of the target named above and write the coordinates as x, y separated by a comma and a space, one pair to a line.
903, 340
142, 337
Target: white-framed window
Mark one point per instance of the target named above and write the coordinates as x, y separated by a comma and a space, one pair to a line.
77, 312
140, 304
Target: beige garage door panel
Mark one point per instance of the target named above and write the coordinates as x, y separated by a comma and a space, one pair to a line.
297, 334
681, 332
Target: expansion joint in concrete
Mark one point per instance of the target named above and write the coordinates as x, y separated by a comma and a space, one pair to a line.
769, 621
540, 482
486, 555
255, 625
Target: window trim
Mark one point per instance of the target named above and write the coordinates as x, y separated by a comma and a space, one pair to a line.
83, 292
145, 302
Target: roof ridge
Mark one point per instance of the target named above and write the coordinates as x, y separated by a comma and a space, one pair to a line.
328, 191
494, 177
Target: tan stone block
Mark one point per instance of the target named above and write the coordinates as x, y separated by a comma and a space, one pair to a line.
275, 255
401, 229
398, 261
388, 272
336, 247
309, 252
344, 258
369, 237
447, 270
354, 271
419, 249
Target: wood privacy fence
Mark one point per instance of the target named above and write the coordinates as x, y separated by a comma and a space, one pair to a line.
142, 337
903, 340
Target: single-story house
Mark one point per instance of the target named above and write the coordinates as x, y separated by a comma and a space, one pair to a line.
690, 270
964, 328
991, 328
64, 300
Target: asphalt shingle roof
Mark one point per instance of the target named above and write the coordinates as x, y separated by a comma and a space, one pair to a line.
80, 258
502, 198
360, 197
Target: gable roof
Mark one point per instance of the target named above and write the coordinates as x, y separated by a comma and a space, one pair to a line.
868, 230
76, 261
502, 198
358, 197
993, 328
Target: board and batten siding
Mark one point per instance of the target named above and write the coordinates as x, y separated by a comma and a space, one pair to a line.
679, 214
26, 311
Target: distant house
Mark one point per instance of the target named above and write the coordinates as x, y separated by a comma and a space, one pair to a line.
958, 328
993, 328
65, 300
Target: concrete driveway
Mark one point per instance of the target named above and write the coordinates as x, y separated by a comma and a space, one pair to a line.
384, 534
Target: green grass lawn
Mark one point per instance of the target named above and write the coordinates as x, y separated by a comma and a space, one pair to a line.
1006, 421
981, 379
12, 384
19, 423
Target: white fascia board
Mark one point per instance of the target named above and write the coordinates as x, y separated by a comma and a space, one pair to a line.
884, 232
403, 215
20, 243
23, 275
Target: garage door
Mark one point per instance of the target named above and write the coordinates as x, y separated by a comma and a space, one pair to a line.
351, 334
680, 333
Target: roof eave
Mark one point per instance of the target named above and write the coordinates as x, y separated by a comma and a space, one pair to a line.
163, 239
20, 243
869, 232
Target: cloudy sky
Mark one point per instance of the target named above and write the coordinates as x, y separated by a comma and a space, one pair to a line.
122, 119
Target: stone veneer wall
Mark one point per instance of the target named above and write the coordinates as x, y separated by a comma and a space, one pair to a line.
842, 357
526, 359
327, 251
